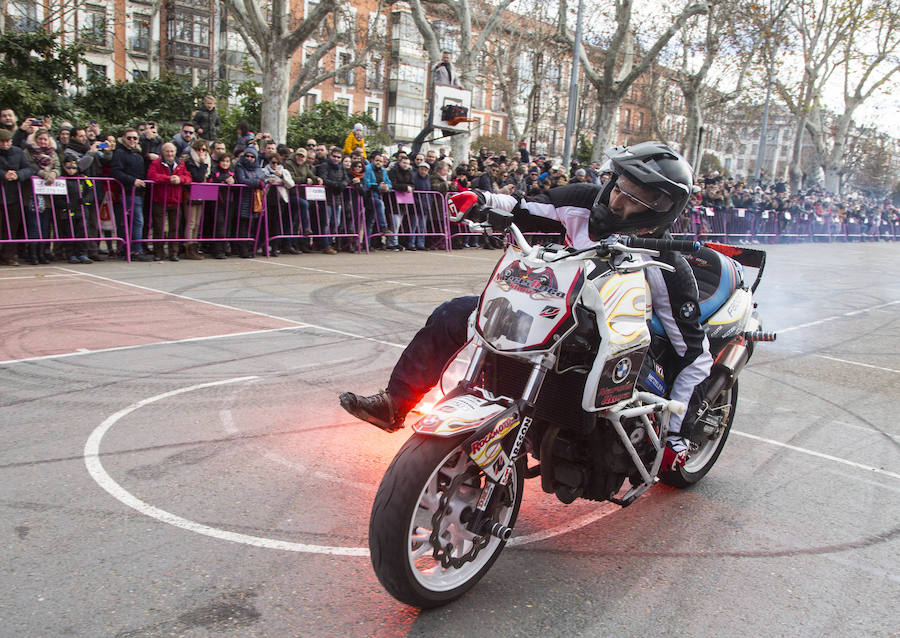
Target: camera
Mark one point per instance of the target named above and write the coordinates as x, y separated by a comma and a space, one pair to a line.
37, 121
103, 145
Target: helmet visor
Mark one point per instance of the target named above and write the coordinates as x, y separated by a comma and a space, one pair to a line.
656, 201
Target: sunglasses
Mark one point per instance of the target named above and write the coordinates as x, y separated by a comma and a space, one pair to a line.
337, 156
250, 155
310, 146
131, 137
187, 132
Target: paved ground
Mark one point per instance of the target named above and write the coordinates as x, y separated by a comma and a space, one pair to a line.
173, 462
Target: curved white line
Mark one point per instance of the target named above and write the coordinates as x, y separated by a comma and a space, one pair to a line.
98, 473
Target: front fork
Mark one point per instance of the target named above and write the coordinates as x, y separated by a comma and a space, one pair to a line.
499, 474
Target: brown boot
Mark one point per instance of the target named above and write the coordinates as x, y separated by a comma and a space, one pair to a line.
192, 251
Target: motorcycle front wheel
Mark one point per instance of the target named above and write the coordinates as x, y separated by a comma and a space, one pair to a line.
705, 450
421, 550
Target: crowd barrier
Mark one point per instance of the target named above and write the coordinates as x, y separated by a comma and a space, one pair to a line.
82, 212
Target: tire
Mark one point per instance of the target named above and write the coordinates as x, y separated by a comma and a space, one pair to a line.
401, 522
705, 454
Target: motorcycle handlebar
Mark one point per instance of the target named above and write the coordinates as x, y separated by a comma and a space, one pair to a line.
662, 245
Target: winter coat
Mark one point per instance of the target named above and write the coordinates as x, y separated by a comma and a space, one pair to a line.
402, 180
13, 159
208, 121
421, 183
375, 176
301, 172
352, 143
198, 169
252, 176
281, 184
334, 176
127, 166
165, 192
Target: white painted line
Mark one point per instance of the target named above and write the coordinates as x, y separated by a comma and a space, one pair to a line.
172, 294
103, 479
37, 276
832, 318
820, 455
353, 276
81, 351
856, 363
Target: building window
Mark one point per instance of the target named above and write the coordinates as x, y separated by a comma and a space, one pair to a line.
309, 101
478, 97
374, 110
189, 35
96, 30
375, 74
346, 77
496, 126
344, 103
23, 17
140, 36
96, 73
496, 99
139, 74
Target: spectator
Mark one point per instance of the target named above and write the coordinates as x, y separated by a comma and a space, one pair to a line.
524, 156
442, 73
72, 210
244, 138
218, 150
401, 176
40, 151
184, 138
431, 158
8, 120
169, 176
377, 184
248, 173
355, 140
128, 169
198, 165
62, 141
304, 175
150, 143
581, 175
486, 180
421, 211
321, 155
335, 178
92, 130
206, 119
227, 200
17, 172
280, 184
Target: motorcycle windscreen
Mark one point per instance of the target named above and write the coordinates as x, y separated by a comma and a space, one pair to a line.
523, 307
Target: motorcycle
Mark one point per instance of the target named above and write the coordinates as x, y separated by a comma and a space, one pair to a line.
559, 368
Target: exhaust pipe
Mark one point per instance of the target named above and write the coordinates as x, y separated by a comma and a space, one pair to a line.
726, 368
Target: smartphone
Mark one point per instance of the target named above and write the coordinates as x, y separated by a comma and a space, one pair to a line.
102, 145
37, 122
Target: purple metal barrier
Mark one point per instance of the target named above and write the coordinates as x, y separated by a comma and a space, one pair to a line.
418, 215
74, 212
331, 217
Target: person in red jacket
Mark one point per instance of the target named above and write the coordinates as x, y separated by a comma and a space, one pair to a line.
168, 176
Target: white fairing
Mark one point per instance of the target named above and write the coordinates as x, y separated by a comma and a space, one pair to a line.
626, 306
525, 304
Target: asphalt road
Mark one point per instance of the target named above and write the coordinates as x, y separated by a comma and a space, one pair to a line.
208, 484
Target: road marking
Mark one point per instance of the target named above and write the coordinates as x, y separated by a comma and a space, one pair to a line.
820, 455
81, 351
103, 479
832, 318
856, 363
363, 277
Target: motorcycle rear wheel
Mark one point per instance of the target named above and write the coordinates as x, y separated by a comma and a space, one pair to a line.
400, 527
705, 454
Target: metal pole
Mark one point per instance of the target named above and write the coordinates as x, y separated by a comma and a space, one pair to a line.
573, 92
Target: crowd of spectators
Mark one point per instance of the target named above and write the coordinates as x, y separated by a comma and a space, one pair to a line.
165, 223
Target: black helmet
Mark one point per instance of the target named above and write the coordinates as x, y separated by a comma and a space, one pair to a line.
655, 166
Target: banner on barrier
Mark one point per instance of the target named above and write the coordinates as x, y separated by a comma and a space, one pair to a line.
404, 198
43, 188
315, 193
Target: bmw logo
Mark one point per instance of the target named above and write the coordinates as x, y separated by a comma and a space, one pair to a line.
620, 372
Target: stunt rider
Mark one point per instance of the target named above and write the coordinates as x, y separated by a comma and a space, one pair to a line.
648, 190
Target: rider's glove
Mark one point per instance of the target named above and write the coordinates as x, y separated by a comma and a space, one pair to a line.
468, 203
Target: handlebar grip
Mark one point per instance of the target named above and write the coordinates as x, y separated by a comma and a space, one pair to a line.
681, 245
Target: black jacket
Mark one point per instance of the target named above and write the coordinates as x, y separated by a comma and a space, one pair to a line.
127, 166
400, 178
13, 159
208, 121
334, 176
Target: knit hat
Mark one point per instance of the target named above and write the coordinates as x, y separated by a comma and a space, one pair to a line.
5, 135
358, 127
251, 151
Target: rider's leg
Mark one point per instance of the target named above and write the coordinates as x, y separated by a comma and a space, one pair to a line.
419, 367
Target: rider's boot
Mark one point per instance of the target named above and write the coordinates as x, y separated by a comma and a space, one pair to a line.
676, 453
379, 409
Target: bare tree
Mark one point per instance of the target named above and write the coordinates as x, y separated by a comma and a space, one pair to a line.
475, 30
868, 62
273, 35
820, 26
619, 69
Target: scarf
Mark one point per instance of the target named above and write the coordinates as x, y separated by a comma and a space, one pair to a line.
42, 156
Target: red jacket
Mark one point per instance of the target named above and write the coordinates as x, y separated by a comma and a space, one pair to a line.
162, 191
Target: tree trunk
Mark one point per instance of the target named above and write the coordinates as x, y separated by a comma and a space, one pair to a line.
795, 171
692, 151
275, 86
605, 133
